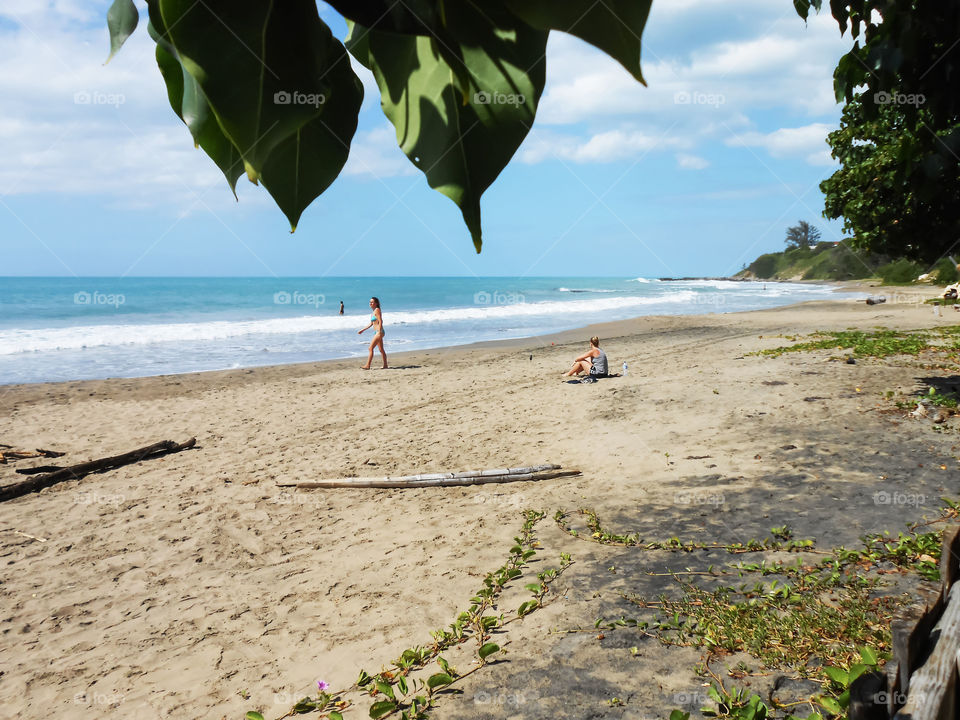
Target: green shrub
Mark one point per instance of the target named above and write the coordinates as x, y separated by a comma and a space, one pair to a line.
901, 272
945, 272
765, 266
840, 263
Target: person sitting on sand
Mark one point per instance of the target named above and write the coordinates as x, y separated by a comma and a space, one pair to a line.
593, 362
376, 322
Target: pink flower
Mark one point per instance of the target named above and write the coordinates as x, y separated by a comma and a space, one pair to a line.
322, 686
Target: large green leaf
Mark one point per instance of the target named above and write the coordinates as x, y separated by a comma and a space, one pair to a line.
189, 103
122, 19
461, 102
614, 26
300, 166
261, 67
305, 164
409, 17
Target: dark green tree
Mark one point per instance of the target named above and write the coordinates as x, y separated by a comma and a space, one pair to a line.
894, 190
802, 235
899, 138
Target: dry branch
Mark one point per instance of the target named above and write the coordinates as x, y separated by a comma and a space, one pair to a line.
8, 453
76, 472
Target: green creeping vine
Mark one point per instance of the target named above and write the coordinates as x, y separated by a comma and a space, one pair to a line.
780, 540
820, 611
824, 620
395, 691
880, 344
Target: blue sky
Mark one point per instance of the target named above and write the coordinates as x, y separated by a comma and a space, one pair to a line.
696, 174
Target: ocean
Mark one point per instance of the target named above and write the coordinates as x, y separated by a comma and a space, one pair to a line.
54, 329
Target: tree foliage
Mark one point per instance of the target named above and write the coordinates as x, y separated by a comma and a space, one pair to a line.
802, 235
899, 138
891, 190
267, 91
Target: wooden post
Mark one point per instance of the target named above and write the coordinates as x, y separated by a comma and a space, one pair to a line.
911, 634
933, 687
950, 559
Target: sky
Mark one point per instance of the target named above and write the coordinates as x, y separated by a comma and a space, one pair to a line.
695, 175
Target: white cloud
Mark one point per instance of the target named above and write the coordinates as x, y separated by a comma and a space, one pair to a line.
44, 14
680, 7
610, 145
602, 147
691, 162
790, 68
375, 154
808, 142
73, 125
76, 126
593, 111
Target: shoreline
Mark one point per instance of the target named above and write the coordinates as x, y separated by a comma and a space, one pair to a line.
110, 346
559, 337
646, 327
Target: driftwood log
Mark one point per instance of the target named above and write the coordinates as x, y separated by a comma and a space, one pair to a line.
469, 477
75, 472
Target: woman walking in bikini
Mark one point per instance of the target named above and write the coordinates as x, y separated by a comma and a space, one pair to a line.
376, 322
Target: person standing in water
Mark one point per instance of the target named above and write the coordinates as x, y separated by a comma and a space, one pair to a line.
341, 307
376, 322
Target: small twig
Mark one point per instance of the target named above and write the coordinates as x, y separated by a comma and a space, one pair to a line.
27, 535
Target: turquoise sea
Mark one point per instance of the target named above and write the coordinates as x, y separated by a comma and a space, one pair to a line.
77, 328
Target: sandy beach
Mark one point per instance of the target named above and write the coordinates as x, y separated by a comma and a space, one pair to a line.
192, 586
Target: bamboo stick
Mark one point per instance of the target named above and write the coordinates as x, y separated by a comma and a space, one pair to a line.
435, 479
446, 476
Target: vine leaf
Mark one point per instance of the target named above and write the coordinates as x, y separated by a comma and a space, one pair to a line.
264, 71
122, 19
460, 137
379, 709
614, 26
487, 650
438, 680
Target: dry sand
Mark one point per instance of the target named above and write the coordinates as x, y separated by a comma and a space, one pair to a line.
171, 587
